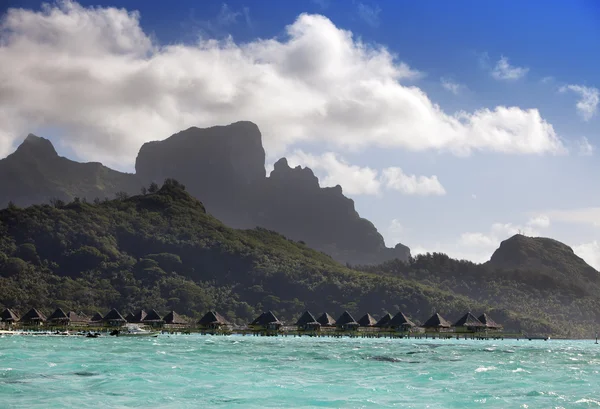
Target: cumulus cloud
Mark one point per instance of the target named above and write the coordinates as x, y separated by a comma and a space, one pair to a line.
590, 252
95, 75
506, 72
451, 86
589, 97
335, 170
394, 178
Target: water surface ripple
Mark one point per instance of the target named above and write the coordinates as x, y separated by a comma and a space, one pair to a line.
193, 371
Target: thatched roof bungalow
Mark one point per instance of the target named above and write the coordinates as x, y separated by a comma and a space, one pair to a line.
61, 318
266, 321
174, 319
136, 318
384, 321
326, 320
114, 319
33, 318
468, 323
129, 316
96, 318
8, 318
153, 319
400, 322
346, 322
489, 323
436, 323
212, 320
307, 322
367, 321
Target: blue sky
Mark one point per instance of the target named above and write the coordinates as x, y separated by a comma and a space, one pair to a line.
458, 192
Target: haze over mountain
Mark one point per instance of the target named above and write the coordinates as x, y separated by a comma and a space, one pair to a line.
224, 166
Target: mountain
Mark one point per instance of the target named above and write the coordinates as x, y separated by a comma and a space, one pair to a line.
35, 173
224, 166
163, 251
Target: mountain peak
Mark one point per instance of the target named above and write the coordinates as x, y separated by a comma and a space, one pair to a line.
37, 146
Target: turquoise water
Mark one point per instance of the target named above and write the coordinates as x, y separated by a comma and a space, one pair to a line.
194, 371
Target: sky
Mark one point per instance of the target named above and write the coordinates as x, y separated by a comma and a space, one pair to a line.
452, 125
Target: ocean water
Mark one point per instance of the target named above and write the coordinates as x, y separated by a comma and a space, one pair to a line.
195, 371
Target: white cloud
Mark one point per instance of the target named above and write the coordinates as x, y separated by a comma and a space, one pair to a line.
394, 178
585, 147
590, 252
451, 86
365, 180
586, 215
369, 15
353, 179
589, 97
395, 233
95, 75
504, 71
473, 196
540, 221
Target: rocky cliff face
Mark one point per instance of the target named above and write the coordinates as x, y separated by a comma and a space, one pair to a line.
35, 173
224, 167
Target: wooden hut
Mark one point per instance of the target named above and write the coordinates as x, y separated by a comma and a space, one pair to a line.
266, 321
436, 323
489, 323
307, 322
326, 320
8, 318
96, 319
59, 318
367, 321
136, 318
383, 321
129, 317
114, 319
468, 323
400, 322
174, 320
212, 320
33, 318
346, 322
153, 319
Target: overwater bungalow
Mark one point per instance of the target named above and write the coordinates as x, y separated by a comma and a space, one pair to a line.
129, 316
383, 321
346, 322
33, 318
153, 319
468, 323
172, 319
367, 321
136, 318
114, 319
326, 320
8, 318
212, 320
400, 322
60, 318
489, 323
436, 323
97, 318
307, 322
266, 321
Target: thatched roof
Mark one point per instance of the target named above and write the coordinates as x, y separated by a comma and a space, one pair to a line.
74, 317
400, 320
58, 315
306, 318
33, 315
129, 317
173, 318
152, 316
266, 318
326, 320
436, 321
489, 322
138, 317
9, 315
212, 318
97, 317
367, 321
345, 319
114, 315
383, 321
468, 320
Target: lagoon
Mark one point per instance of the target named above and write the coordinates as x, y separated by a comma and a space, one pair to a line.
192, 371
